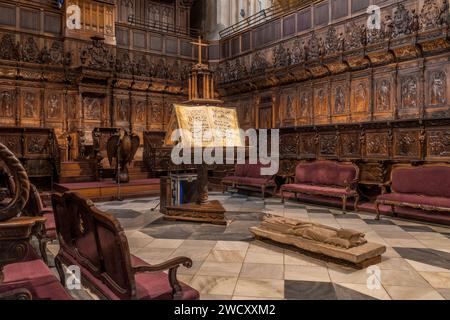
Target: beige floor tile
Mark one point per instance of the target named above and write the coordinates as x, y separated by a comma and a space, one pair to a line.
445, 293
340, 274
226, 256
260, 288
436, 244
408, 293
165, 243
394, 264
186, 278
294, 258
378, 293
140, 242
199, 243
419, 266
402, 278
148, 253
259, 246
220, 269
231, 246
428, 236
439, 280
199, 253
262, 271
404, 243
240, 298
209, 297
192, 270
306, 273
214, 285
261, 257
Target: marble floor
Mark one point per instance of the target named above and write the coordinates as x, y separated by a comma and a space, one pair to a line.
229, 264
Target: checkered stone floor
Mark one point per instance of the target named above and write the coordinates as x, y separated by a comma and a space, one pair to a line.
229, 264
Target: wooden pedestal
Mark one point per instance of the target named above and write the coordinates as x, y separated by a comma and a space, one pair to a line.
211, 212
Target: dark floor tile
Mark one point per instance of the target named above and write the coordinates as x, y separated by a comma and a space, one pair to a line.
318, 210
432, 257
344, 293
294, 206
125, 213
416, 228
379, 222
309, 290
347, 216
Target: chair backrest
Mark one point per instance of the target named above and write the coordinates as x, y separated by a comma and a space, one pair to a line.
430, 180
64, 225
326, 172
101, 245
250, 170
34, 206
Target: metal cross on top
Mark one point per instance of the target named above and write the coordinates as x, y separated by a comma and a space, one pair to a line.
200, 44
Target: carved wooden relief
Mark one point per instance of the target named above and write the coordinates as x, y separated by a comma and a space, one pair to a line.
321, 114
438, 88
36, 144
7, 103
350, 145
438, 144
30, 104
53, 106
140, 115
93, 108
377, 144
328, 145
407, 144
305, 108
289, 145
123, 109
359, 106
13, 143
409, 97
288, 108
307, 145
383, 94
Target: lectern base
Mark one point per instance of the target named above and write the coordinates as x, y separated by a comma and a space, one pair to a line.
212, 212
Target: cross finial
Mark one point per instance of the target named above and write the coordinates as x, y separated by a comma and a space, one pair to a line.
200, 44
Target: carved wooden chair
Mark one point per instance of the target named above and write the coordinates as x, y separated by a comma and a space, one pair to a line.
95, 241
35, 208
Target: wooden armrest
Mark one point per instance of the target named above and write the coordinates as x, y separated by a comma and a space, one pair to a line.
171, 265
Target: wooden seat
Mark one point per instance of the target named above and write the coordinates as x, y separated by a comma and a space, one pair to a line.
95, 241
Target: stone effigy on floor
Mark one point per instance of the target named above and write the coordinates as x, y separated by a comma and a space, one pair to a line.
345, 245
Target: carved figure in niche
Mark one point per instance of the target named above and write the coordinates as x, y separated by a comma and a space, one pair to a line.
322, 101
140, 111
304, 105
430, 14
409, 93
313, 48
56, 52
298, 52
356, 35
384, 93
122, 111
388, 27
415, 24
438, 88
247, 113
349, 144
332, 41
7, 100
28, 105
360, 98
280, 57
8, 48
156, 113
30, 51
53, 106
339, 104
290, 108
402, 21
92, 108
443, 16
97, 55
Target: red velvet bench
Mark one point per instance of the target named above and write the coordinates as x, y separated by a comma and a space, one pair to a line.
31, 279
424, 187
249, 175
325, 178
95, 241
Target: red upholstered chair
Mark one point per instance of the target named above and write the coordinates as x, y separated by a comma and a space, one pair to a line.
31, 279
35, 207
95, 241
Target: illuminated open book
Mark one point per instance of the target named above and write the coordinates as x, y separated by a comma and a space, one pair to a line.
204, 126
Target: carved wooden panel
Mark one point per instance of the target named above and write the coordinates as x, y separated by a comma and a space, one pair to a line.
377, 144
289, 145
307, 145
8, 105
36, 144
93, 108
13, 142
30, 106
360, 98
328, 145
409, 96
350, 145
384, 97
437, 93
339, 102
321, 112
53, 106
122, 110
407, 144
438, 144
288, 108
305, 107
156, 116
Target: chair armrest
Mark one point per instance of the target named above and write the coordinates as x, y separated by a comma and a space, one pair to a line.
171, 265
